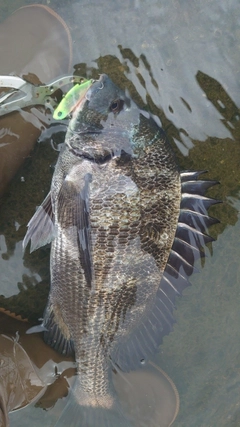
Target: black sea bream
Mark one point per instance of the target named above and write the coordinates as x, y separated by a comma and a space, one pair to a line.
126, 227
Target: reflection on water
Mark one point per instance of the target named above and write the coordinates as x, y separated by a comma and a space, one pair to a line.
180, 60
15, 271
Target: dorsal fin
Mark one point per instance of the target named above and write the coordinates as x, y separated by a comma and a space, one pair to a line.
188, 246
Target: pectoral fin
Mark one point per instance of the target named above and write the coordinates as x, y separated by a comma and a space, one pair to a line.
41, 229
73, 204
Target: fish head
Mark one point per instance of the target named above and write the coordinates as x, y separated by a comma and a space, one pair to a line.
103, 122
105, 97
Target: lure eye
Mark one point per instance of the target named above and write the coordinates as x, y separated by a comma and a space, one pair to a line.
117, 106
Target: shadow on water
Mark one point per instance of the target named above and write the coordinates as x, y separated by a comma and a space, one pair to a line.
202, 354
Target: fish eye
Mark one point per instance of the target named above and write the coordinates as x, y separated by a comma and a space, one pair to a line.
117, 106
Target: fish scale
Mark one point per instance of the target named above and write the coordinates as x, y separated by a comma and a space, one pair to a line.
126, 228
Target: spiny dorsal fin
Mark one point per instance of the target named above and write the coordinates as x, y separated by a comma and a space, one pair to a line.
188, 245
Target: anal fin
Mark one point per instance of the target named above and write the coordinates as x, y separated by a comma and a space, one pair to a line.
54, 336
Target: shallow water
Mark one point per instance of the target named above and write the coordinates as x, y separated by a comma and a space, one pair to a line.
182, 59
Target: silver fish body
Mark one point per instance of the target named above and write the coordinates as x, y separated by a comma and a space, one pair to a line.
126, 228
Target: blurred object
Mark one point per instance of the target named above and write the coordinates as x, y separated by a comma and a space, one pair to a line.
31, 372
20, 384
35, 40
28, 367
25, 94
35, 43
149, 396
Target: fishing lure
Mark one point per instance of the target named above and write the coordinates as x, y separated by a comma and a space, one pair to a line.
72, 98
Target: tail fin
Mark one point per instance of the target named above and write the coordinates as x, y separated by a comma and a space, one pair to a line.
75, 415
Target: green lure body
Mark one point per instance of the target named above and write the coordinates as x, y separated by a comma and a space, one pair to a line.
72, 98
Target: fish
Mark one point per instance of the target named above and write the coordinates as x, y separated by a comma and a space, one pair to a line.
125, 227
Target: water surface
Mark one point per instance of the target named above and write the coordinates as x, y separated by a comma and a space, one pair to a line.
180, 59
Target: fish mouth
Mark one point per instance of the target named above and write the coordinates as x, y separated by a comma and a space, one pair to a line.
96, 86
117, 103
